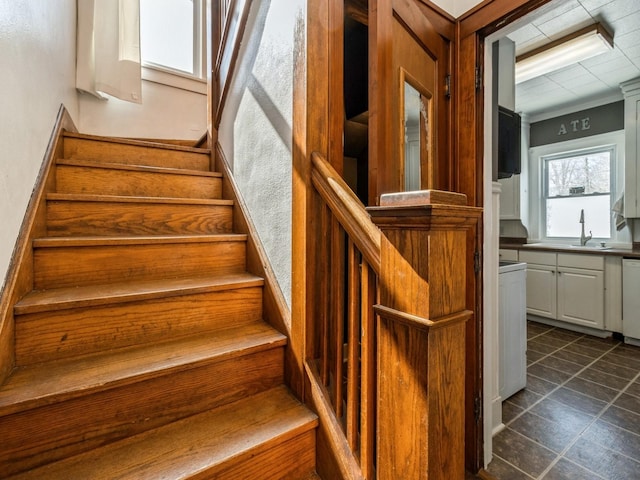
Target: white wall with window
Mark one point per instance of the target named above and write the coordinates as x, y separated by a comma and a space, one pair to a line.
568, 177
174, 87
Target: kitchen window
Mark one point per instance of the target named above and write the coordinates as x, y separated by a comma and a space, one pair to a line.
576, 181
172, 42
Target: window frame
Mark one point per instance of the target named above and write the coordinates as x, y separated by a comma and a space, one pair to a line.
197, 81
544, 161
537, 187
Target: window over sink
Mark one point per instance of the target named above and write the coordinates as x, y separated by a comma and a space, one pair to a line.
575, 181
567, 177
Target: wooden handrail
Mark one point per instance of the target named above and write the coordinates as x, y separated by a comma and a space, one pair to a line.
348, 209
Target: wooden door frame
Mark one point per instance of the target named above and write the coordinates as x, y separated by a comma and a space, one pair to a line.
472, 29
315, 116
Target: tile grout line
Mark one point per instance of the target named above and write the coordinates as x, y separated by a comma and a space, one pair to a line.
561, 385
543, 397
595, 418
512, 465
557, 387
579, 434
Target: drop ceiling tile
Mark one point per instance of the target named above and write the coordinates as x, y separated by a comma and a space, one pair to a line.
589, 89
593, 4
616, 77
527, 38
613, 11
566, 23
570, 74
625, 25
557, 9
537, 83
592, 78
627, 40
538, 104
598, 67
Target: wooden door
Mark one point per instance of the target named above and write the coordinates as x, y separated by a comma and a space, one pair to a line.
409, 111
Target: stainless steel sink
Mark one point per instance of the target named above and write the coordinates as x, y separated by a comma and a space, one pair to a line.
591, 247
561, 246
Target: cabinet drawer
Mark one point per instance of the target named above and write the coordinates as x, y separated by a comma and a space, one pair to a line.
591, 262
540, 258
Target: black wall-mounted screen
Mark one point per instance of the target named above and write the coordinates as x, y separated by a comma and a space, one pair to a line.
508, 142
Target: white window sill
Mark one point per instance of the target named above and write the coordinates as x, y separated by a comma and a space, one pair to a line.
175, 80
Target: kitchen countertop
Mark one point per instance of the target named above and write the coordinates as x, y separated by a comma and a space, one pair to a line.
594, 249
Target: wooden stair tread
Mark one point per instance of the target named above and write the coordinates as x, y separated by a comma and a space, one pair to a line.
47, 383
71, 197
138, 142
189, 447
53, 242
93, 295
74, 162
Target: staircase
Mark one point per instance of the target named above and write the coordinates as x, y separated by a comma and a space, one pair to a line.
142, 353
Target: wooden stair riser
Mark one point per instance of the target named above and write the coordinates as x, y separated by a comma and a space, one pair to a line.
127, 154
65, 218
264, 435
49, 433
105, 181
291, 459
96, 265
47, 336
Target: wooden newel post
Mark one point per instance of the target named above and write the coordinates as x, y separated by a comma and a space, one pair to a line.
421, 334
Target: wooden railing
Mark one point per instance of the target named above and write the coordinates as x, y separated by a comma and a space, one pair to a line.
343, 363
385, 355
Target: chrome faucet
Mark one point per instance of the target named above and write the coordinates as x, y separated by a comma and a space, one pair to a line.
583, 238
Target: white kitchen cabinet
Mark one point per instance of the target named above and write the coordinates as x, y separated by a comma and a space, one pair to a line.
510, 198
581, 297
631, 92
541, 290
508, 255
566, 287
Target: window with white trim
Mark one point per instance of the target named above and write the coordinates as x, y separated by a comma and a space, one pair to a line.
172, 36
575, 181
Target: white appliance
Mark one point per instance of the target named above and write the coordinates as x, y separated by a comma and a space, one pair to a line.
631, 300
512, 321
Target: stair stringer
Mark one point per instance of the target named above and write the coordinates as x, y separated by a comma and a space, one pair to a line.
19, 277
275, 309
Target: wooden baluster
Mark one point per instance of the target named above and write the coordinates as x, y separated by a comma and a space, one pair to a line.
368, 371
324, 295
353, 342
421, 335
337, 309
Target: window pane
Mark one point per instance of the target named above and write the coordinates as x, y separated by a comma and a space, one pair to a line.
563, 216
584, 174
166, 32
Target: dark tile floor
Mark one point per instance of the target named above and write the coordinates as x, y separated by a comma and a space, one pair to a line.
579, 417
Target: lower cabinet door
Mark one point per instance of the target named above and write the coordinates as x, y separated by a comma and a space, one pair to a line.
581, 296
541, 290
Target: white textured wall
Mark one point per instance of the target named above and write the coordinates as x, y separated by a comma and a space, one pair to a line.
255, 132
37, 65
165, 112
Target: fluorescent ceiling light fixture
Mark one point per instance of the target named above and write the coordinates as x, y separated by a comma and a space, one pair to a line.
573, 48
